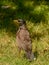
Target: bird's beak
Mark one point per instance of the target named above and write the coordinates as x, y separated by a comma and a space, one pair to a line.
15, 21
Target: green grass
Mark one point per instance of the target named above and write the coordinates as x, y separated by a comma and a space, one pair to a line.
40, 41
36, 13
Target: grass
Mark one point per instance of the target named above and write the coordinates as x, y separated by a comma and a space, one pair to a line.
37, 15
40, 45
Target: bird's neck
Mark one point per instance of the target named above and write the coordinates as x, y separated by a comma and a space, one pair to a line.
23, 27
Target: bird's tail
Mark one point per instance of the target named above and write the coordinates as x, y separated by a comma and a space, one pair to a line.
30, 55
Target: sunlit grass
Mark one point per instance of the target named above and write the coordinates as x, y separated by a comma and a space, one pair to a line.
8, 48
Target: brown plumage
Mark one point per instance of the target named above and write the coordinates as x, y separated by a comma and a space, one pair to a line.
24, 40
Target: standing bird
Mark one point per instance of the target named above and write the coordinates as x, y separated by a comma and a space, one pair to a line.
23, 40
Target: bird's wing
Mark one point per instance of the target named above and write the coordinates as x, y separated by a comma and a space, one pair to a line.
23, 35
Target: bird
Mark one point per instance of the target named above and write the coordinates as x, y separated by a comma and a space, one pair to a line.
23, 40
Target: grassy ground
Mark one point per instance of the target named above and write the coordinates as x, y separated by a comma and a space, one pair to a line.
40, 45
37, 12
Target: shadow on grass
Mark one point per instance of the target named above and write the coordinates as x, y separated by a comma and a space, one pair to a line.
9, 26
36, 54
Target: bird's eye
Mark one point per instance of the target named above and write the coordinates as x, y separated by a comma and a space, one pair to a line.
18, 21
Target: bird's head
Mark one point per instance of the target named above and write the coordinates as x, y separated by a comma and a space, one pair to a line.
20, 22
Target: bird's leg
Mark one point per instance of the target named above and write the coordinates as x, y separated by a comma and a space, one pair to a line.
19, 52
